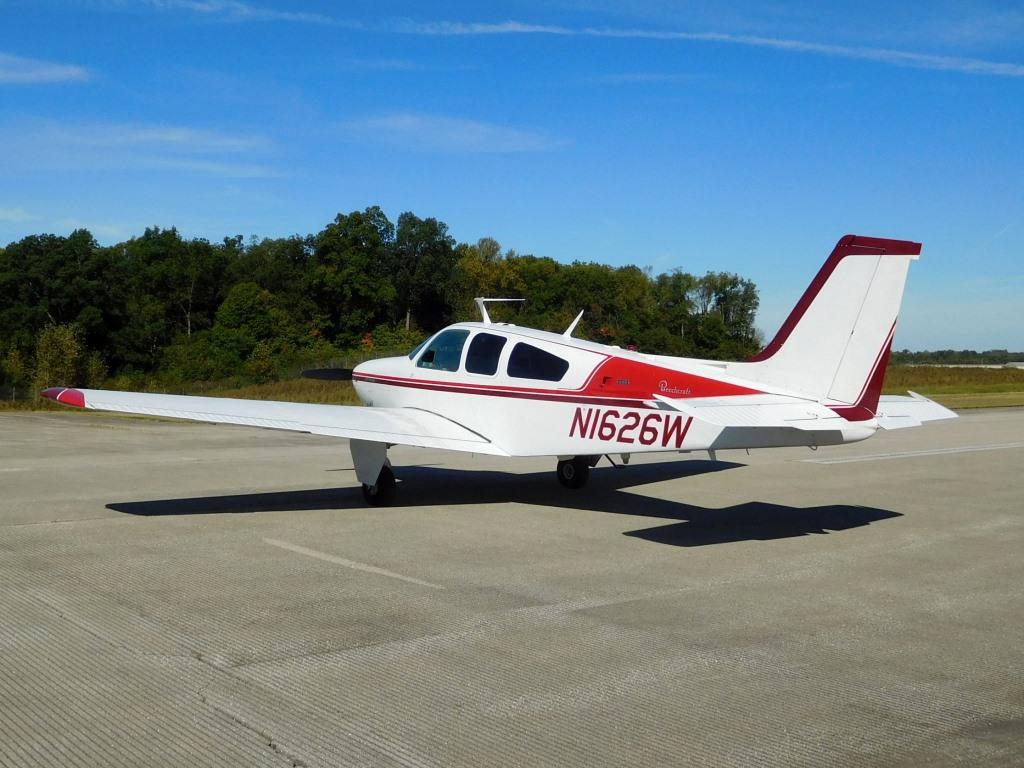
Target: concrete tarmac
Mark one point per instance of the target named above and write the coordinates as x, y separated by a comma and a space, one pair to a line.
181, 594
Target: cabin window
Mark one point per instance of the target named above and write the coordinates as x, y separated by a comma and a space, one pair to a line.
444, 351
529, 362
483, 354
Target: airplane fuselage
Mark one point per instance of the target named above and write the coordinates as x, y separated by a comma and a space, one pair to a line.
581, 398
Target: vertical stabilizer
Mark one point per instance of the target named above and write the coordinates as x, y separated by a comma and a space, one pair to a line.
835, 344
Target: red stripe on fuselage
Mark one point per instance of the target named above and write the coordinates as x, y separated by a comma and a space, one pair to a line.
615, 381
494, 391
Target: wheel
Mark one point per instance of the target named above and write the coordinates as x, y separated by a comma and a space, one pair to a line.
381, 493
573, 473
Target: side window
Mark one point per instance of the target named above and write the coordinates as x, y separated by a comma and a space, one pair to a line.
444, 351
527, 362
483, 354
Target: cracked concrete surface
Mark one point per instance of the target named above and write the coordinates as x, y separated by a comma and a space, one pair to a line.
755, 610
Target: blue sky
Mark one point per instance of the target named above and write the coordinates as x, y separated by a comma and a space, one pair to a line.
745, 137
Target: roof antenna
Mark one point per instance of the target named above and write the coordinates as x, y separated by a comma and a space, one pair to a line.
573, 324
481, 304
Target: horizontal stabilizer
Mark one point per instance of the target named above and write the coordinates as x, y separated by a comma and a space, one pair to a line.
899, 411
759, 411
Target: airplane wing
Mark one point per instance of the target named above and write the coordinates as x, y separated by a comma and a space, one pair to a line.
759, 411
899, 411
397, 426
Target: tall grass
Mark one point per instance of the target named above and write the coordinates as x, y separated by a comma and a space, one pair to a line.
929, 380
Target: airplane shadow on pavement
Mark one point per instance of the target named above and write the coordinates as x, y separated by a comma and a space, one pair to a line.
437, 486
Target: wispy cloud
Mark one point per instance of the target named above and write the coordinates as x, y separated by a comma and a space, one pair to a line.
108, 231
236, 10
21, 70
47, 144
15, 215
169, 137
889, 56
435, 133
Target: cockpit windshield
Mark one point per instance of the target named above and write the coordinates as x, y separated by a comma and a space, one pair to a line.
417, 348
444, 352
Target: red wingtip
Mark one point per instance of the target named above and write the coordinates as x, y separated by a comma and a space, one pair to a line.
65, 396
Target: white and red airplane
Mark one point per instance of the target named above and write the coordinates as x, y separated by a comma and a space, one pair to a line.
499, 389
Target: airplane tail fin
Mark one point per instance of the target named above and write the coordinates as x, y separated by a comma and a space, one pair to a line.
835, 344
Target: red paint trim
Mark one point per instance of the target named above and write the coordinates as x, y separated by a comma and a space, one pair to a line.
682, 438
626, 377
490, 391
850, 245
615, 381
65, 396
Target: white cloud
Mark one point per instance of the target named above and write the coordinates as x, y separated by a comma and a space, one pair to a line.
235, 10
20, 70
39, 144
446, 134
881, 55
15, 215
481, 28
168, 137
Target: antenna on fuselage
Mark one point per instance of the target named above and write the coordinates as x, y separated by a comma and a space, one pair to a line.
481, 304
573, 324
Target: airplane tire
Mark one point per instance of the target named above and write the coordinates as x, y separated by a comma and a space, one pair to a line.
573, 473
381, 493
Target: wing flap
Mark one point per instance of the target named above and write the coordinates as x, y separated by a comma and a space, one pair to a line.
399, 426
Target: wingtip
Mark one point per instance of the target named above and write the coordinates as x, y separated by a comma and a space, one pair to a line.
65, 396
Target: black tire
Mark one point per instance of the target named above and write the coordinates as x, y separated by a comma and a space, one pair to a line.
573, 473
381, 493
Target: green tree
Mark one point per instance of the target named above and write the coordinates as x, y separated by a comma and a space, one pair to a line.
59, 355
350, 279
15, 371
424, 259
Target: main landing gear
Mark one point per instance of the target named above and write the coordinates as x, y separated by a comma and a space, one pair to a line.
574, 472
373, 470
382, 492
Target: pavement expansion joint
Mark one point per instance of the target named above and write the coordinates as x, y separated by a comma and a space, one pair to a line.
273, 745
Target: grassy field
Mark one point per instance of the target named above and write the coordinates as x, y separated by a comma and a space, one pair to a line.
953, 387
959, 387
296, 391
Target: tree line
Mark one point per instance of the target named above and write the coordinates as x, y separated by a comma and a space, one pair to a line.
161, 308
957, 357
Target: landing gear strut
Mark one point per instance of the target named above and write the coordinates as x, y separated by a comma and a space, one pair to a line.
573, 473
373, 470
381, 493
